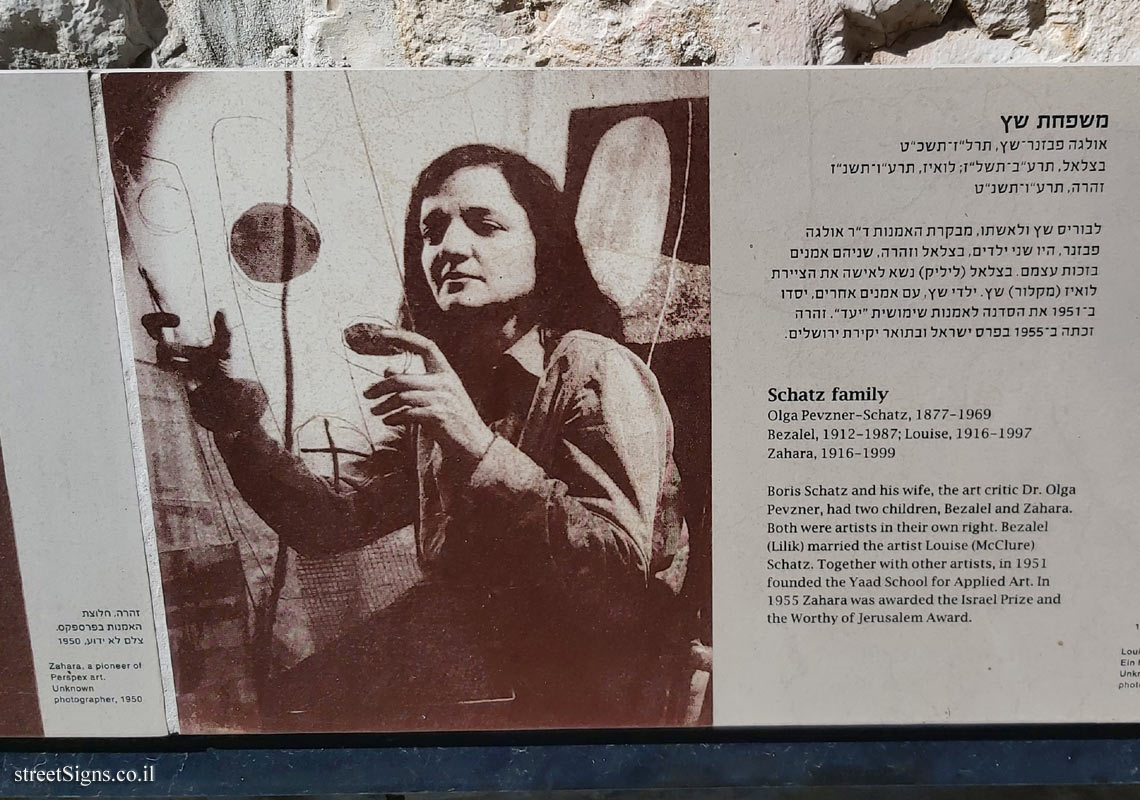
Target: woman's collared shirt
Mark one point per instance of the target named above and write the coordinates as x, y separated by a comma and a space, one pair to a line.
550, 554
579, 479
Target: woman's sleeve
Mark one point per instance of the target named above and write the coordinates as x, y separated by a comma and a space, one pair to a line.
305, 510
590, 514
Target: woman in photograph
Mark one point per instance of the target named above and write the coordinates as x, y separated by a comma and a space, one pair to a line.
534, 460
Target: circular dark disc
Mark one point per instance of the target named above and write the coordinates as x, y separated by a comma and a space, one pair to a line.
274, 242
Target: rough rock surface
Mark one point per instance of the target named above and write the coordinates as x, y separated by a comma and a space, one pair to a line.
1006, 17
1089, 30
58, 34
958, 44
230, 33
367, 33
649, 32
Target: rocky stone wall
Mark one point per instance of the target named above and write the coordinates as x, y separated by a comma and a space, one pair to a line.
374, 33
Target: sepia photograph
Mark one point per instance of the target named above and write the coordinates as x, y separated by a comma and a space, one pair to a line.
424, 371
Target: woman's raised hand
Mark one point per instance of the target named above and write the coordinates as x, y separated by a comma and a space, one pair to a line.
437, 401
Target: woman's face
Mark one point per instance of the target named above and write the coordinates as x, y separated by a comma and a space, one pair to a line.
478, 248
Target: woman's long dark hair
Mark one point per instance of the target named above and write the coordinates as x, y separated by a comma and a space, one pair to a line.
567, 295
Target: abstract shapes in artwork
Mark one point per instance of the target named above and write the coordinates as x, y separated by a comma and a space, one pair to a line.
274, 242
624, 206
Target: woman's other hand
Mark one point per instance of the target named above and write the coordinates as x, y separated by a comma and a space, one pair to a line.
218, 402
